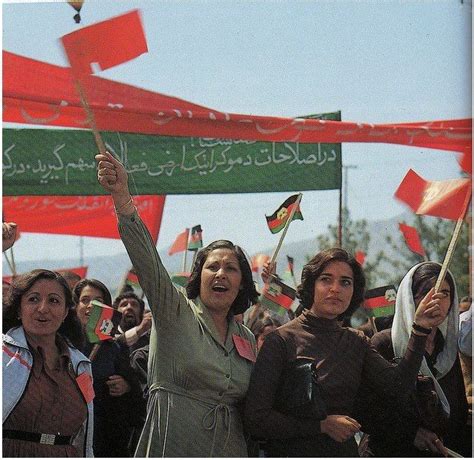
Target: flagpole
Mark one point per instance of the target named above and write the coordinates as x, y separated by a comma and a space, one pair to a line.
287, 224
452, 244
184, 260
90, 117
10, 266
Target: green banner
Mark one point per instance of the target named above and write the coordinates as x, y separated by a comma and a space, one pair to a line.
61, 162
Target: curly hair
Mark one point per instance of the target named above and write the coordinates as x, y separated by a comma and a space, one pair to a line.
316, 266
247, 296
95, 284
70, 329
129, 295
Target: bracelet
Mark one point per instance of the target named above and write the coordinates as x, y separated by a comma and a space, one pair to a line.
420, 329
117, 210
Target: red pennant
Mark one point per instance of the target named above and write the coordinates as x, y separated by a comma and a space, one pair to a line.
107, 43
360, 257
446, 199
412, 239
180, 243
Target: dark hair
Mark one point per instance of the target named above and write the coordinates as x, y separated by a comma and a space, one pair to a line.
260, 325
316, 266
95, 284
424, 278
247, 296
466, 298
70, 329
129, 295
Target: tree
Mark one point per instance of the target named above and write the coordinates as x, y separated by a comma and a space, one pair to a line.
356, 237
435, 235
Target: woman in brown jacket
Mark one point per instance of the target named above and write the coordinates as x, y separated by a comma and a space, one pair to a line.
331, 283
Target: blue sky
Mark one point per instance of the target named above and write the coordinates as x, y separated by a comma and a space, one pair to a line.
377, 61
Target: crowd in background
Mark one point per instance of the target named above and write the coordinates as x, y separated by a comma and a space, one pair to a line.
203, 371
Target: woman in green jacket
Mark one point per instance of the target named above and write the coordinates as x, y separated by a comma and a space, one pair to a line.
200, 358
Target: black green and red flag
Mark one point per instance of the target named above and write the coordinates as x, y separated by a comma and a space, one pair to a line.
180, 279
102, 323
277, 296
195, 240
132, 280
380, 301
291, 265
276, 222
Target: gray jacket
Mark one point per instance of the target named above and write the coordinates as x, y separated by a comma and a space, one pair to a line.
17, 365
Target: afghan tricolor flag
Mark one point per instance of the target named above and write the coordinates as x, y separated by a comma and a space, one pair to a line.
277, 296
102, 323
291, 265
132, 280
380, 301
180, 279
447, 199
276, 222
195, 240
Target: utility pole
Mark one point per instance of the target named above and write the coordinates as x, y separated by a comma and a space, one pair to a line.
81, 251
346, 176
343, 200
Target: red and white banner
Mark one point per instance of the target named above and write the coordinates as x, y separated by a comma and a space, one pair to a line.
38, 93
78, 215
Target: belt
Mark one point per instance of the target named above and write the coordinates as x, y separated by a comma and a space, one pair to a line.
42, 438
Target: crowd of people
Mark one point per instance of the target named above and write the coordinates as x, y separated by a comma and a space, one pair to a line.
207, 372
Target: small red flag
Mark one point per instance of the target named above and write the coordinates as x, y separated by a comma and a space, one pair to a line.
360, 257
258, 260
107, 43
445, 199
412, 239
180, 243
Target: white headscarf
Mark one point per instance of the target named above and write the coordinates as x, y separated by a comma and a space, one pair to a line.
402, 325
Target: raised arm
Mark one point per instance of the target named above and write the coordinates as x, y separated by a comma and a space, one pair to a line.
153, 277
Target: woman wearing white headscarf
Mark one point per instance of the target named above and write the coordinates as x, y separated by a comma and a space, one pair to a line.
410, 434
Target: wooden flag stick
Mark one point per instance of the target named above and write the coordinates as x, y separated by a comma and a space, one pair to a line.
90, 117
372, 323
10, 265
277, 249
452, 244
94, 351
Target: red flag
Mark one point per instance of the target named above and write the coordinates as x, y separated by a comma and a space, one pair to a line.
360, 257
465, 161
180, 243
78, 215
258, 260
445, 199
35, 92
412, 239
107, 43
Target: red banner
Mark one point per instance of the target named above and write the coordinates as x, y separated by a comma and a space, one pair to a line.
35, 92
78, 215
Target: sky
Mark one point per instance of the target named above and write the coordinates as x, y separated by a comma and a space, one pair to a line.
377, 61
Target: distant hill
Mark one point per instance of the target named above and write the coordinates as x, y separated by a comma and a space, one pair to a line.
112, 269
